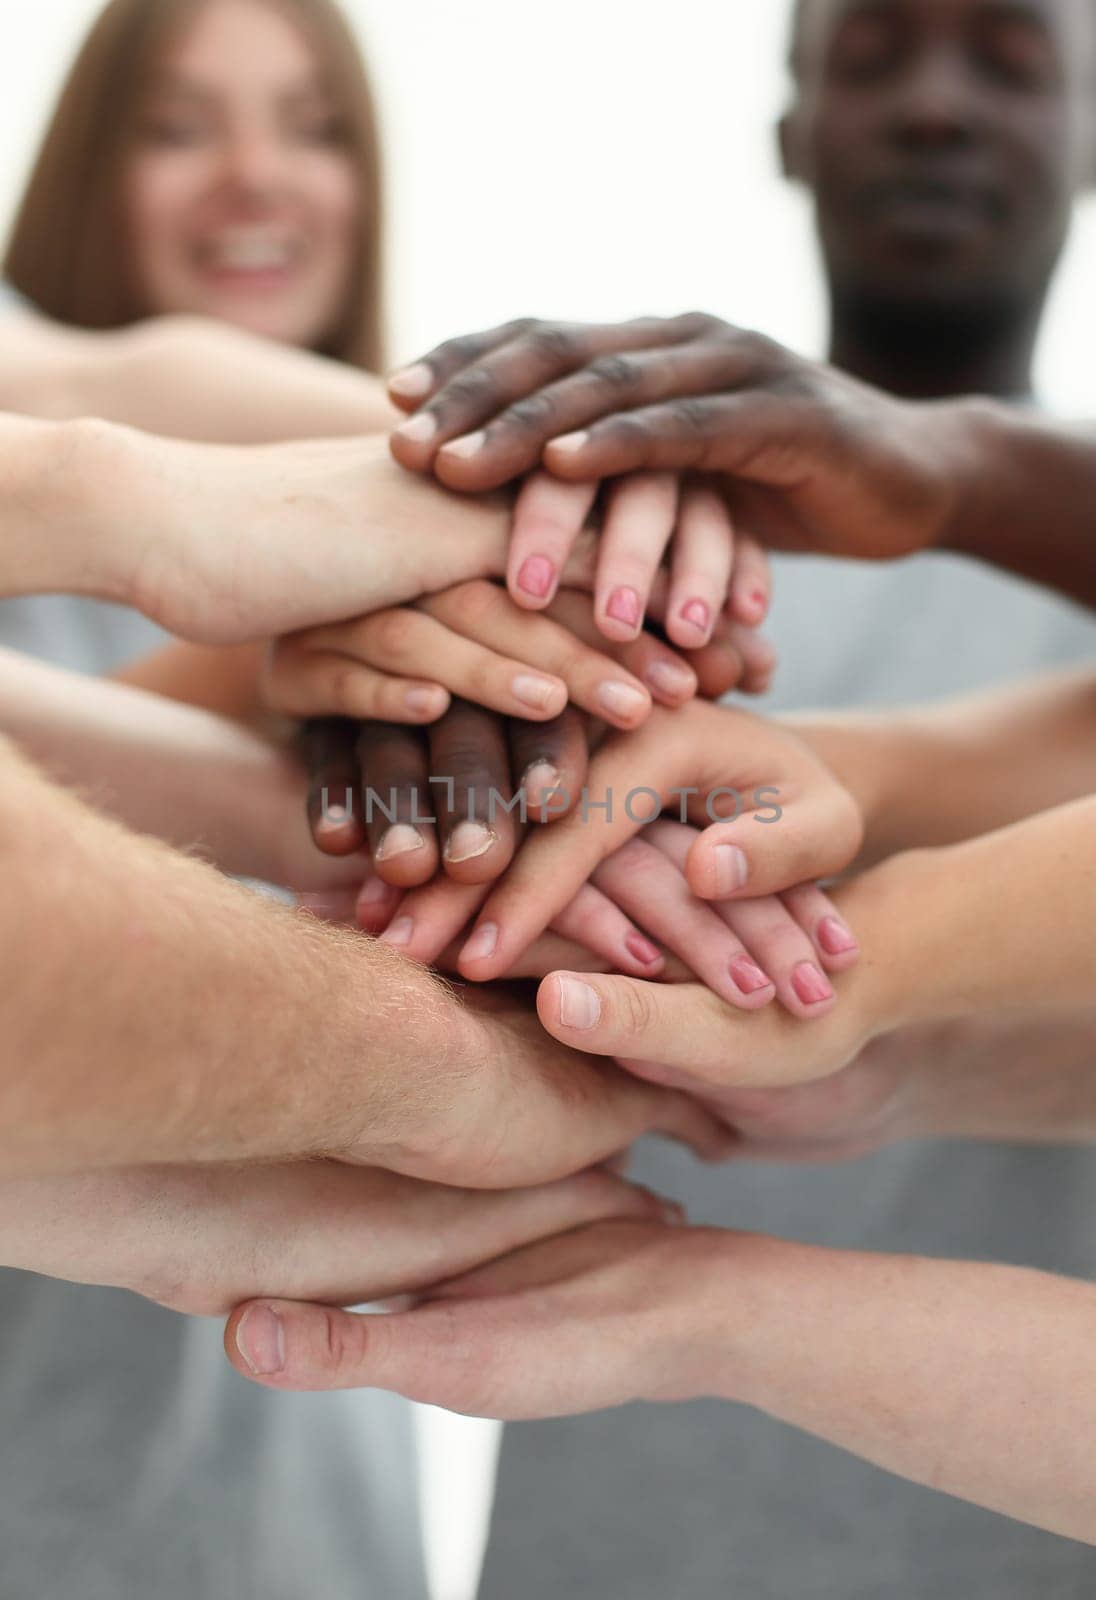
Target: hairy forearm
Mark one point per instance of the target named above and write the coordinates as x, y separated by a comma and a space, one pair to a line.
154, 1011
931, 1369
186, 378
1026, 502
937, 774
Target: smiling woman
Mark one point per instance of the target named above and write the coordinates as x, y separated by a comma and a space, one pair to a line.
213, 157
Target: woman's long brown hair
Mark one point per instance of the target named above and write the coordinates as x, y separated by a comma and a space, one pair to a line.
68, 251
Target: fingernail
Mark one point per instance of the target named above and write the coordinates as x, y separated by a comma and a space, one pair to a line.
541, 780
374, 890
674, 1216
671, 679
537, 692
731, 869
418, 429
468, 840
413, 381
399, 932
623, 702
810, 984
482, 944
643, 949
470, 445
536, 577
579, 1005
758, 599
398, 841
698, 614
749, 976
426, 702
624, 607
260, 1339
835, 938
570, 443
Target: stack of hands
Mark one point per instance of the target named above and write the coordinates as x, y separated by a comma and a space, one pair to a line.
763, 938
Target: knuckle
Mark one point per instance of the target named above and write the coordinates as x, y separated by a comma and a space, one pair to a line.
347, 689
554, 343
530, 415
394, 633
699, 324
691, 415
471, 387
633, 1009
342, 1345
478, 601
617, 371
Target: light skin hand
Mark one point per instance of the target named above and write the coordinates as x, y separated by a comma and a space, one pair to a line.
308, 1040
705, 749
1020, 1077
748, 952
343, 531
882, 1355
200, 1239
905, 911
480, 647
646, 519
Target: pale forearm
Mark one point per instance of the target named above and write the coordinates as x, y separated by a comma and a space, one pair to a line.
186, 378
190, 778
224, 680
937, 774
154, 1011
934, 1370
1001, 922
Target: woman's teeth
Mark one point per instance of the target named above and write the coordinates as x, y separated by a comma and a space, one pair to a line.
250, 252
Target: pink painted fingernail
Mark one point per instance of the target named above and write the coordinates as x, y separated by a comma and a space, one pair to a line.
835, 938
412, 382
537, 576
399, 933
624, 607
758, 599
483, 943
698, 614
260, 1339
579, 1005
418, 429
570, 443
731, 869
748, 975
643, 950
810, 984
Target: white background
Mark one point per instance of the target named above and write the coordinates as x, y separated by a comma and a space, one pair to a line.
579, 158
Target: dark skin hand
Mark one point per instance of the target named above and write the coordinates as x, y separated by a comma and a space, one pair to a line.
810, 459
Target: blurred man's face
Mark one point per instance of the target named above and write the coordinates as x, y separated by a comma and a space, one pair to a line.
944, 141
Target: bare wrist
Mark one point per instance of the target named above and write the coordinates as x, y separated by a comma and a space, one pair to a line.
63, 489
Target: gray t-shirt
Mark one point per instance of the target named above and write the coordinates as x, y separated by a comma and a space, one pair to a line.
707, 1500
133, 1461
